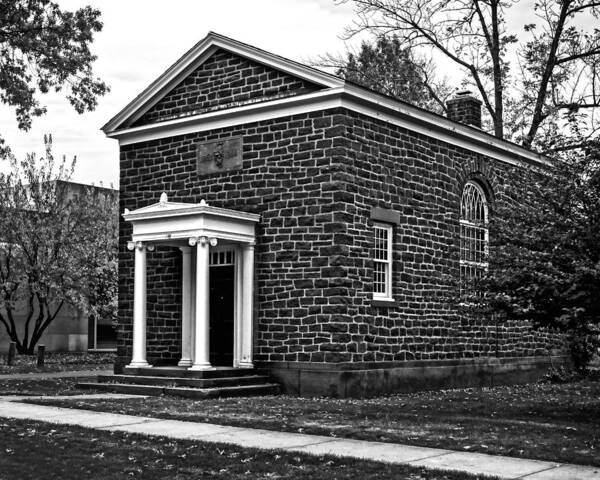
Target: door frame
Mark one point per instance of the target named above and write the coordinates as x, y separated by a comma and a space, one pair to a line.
237, 295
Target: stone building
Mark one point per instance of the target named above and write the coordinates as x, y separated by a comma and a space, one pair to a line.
278, 217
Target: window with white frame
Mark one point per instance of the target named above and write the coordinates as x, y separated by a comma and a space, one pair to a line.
382, 261
222, 257
474, 233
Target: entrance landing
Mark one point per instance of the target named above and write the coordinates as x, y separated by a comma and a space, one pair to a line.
179, 381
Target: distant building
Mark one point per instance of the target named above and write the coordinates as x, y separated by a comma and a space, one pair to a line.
73, 330
309, 227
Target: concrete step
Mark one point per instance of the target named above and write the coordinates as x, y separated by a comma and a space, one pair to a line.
152, 390
235, 391
188, 392
184, 382
182, 372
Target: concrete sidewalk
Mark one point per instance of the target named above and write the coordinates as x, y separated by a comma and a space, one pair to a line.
43, 375
476, 463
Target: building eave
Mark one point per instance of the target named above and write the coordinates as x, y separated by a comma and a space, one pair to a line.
352, 98
170, 209
428, 123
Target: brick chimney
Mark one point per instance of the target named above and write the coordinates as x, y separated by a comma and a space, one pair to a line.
465, 108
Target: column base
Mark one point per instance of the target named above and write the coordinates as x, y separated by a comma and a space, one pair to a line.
185, 363
139, 364
201, 366
245, 365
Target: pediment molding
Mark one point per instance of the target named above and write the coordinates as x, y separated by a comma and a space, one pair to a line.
194, 58
166, 221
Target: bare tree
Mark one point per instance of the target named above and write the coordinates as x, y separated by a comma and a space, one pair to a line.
386, 67
554, 73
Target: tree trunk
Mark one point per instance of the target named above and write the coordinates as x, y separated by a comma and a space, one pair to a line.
497, 65
27, 344
538, 113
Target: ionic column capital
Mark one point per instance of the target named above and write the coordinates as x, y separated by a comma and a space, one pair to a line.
193, 241
186, 250
140, 246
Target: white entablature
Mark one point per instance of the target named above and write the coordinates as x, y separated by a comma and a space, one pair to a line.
166, 221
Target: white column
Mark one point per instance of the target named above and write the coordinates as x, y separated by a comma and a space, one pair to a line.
139, 306
193, 310
237, 310
247, 305
202, 334
186, 307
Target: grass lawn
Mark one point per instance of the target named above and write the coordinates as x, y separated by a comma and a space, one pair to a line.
50, 386
58, 362
557, 422
32, 450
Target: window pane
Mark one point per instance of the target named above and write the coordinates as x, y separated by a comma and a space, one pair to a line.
379, 277
381, 244
382, 260
473, 232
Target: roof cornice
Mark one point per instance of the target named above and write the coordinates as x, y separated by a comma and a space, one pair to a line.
438, 126
351, 97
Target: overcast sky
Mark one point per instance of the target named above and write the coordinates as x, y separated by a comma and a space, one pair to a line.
141, 38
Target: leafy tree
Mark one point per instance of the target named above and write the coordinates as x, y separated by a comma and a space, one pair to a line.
58, 247
387, 67
528, 80
545, 252
44, 48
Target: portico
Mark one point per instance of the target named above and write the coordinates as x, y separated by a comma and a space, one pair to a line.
206, 236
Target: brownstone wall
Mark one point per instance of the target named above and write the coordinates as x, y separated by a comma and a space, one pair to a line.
421, 179
314, 180
225, 80
286, 178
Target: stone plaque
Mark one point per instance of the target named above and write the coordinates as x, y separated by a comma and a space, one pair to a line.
220, 155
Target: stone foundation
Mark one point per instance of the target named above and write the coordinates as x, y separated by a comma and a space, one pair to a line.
372, 379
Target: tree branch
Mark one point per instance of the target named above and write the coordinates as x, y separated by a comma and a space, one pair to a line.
578, 56
542, 92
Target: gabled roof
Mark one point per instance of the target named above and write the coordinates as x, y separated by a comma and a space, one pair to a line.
336, 93
194, 57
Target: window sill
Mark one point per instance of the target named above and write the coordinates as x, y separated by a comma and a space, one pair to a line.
383, 302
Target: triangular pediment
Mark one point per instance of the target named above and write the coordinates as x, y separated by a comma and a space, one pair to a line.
165, 209
160, 207
216, 74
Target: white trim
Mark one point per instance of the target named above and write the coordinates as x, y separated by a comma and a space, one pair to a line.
255, 112
238, 300
247, 315
162, 222
389, 229
486, 231
222, 249
182, 209
349, 97
195, 57
168, 236
436, 126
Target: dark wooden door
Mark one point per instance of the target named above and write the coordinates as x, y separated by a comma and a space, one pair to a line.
221, 315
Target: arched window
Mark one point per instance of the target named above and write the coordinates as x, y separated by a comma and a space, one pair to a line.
474, 235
